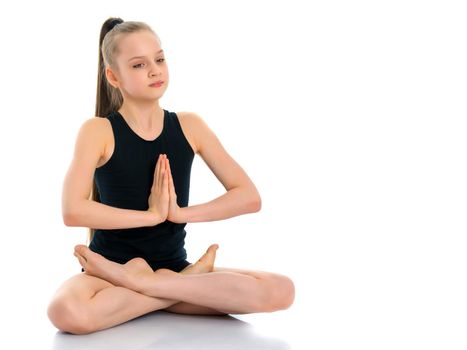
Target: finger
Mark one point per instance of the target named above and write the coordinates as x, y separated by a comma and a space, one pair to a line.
156, 171
163, 170
166, 177
165, 183
171, 183
164, 162
167, 164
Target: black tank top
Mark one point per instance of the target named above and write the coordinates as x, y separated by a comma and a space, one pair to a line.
125, 181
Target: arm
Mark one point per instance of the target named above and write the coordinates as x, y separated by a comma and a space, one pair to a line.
89, 213
77, 208
236, 201
242, 197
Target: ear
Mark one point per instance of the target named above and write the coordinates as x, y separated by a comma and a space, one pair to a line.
111, 77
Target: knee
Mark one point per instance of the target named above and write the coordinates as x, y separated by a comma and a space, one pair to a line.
281, 294
68, 316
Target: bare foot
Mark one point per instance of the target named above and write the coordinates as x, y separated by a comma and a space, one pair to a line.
131, 275
204, 264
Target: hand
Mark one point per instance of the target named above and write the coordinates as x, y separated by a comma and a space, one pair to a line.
159, 198
175, 212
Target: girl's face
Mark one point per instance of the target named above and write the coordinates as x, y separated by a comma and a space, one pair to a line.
141, 62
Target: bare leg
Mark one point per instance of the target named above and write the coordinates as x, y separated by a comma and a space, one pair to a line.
267, 278
84, 303
226, 291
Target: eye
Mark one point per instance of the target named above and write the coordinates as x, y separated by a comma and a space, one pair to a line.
159, 60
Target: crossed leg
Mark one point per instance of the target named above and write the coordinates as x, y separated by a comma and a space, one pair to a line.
87, 303
188, 308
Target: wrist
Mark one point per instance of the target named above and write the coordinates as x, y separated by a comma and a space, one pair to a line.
177, 216
183, 214
153, 218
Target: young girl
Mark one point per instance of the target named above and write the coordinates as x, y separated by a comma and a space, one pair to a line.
129, 179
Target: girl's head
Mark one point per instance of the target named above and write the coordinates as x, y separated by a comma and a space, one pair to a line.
123, 77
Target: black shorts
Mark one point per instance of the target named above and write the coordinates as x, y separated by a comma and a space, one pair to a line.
175, 266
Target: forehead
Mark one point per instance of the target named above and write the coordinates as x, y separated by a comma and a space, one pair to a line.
140, 43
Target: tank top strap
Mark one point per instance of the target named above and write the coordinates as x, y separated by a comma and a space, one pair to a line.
175, 132
118, 125
121, 135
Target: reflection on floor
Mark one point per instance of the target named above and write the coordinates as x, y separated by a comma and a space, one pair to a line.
163, 330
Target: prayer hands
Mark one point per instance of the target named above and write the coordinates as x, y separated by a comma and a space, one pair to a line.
163, 198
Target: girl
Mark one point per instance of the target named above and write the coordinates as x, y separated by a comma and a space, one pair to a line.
129, 178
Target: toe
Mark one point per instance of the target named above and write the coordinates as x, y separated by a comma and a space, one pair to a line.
81, 250
213, 247
80, 258
79, 247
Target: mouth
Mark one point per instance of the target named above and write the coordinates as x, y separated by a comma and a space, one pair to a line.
157, 83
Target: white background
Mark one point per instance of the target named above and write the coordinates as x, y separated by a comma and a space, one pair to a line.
349, 116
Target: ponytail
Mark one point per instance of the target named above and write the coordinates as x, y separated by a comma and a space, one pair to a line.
107, 99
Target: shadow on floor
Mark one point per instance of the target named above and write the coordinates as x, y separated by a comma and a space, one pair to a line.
163, 330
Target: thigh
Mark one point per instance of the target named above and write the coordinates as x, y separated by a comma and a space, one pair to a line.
81, 286
263, 275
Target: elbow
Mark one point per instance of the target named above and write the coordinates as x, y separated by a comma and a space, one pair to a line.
256, 204
72, 213
67, 219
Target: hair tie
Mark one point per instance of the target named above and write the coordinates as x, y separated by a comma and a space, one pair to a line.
115, 22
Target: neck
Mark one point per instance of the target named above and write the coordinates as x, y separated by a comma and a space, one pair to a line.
143, 116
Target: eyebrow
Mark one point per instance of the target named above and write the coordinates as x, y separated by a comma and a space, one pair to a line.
143, 56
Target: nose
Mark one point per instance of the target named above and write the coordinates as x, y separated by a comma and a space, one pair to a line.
155, 70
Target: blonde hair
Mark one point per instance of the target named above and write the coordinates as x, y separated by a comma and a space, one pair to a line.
109, 98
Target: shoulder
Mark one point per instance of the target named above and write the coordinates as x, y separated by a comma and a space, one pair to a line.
97, 127
95, 130
203, 136
189, 118
193, 126
96, 124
